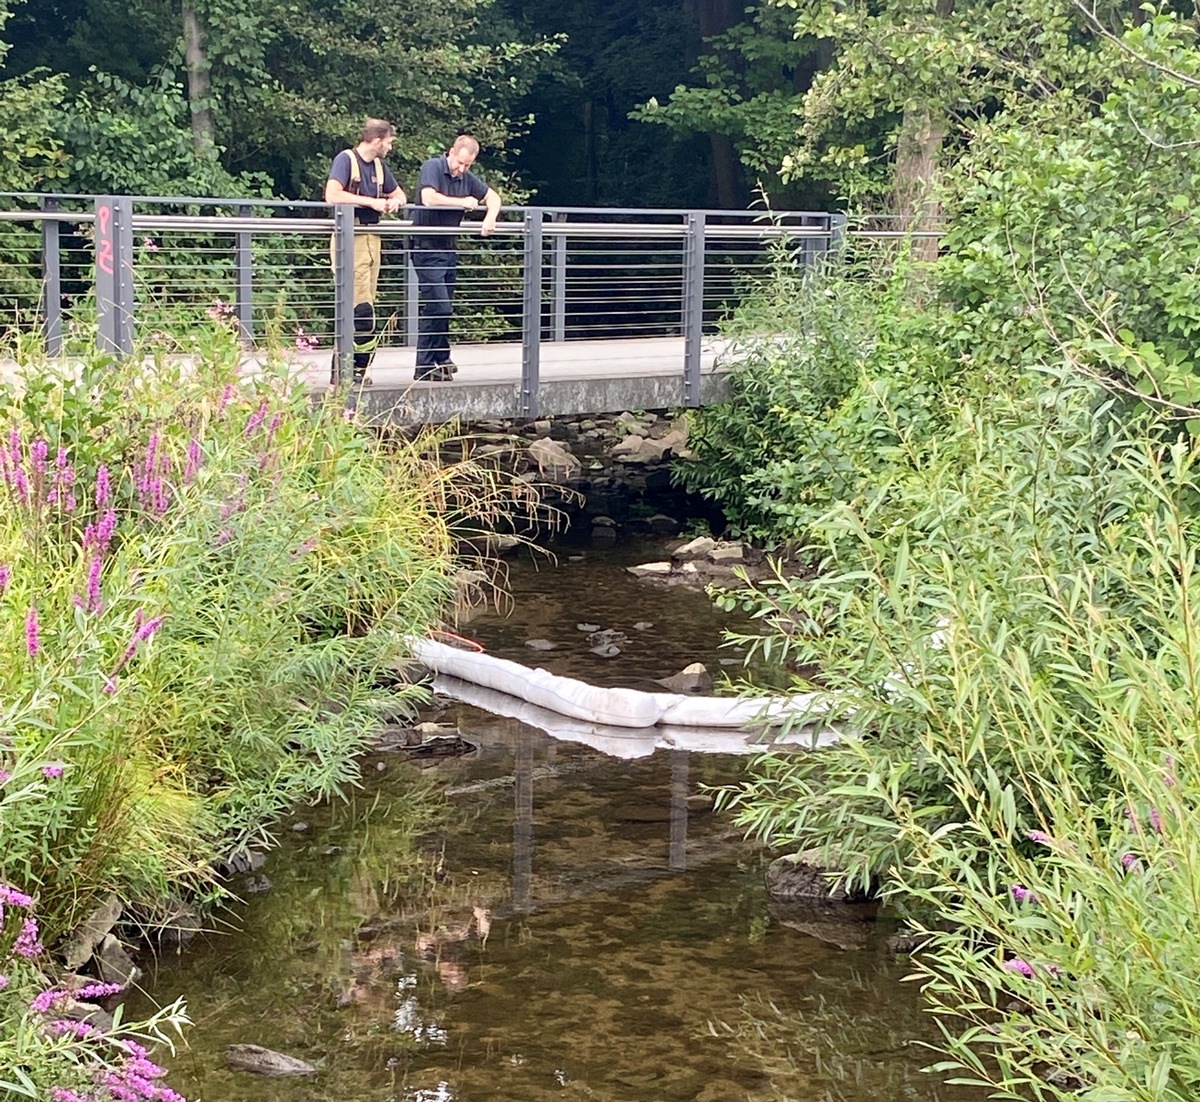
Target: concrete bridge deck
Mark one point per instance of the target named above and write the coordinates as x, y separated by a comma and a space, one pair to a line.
575, 377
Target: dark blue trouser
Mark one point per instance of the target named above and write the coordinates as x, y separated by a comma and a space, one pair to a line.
436, 269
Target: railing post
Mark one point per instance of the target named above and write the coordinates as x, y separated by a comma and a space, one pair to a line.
531, 314
693, 307
114, 273
837, 234
343, 291
559, 293
51, 279
412, 296
245, 279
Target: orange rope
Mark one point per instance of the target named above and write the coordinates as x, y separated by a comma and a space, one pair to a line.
455, 639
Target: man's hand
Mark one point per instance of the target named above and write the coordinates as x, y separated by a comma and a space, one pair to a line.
489, 224
470, 202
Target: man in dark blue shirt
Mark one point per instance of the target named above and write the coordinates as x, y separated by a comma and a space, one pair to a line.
446, 189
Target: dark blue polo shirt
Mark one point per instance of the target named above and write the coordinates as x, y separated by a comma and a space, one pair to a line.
435, 173
340, 171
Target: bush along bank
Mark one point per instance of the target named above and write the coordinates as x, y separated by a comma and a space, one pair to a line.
998, 477
203, 584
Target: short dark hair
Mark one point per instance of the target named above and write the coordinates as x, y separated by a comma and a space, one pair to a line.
374, 129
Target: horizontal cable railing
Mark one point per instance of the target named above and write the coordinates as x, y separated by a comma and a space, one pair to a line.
157, 269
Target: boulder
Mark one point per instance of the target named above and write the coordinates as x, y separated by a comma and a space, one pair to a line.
265, 1061
691, 679
553, 461
807, 875
90, 932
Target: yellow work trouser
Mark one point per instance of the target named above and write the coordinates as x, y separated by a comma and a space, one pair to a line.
367, 257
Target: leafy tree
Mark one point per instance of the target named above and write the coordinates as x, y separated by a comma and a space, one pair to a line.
748, 86
270, 92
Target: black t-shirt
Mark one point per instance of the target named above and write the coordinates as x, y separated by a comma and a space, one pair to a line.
340, 171
435, 173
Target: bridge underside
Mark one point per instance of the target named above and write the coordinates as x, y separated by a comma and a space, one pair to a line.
575, 377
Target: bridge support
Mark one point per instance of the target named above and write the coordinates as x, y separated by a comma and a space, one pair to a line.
531, 314
343, 291
51, 279
114, 274
693, 307
245, 284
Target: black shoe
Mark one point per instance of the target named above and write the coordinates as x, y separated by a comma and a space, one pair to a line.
450, 366
437, 373
361, 378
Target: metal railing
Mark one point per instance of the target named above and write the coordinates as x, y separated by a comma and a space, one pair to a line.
117, 270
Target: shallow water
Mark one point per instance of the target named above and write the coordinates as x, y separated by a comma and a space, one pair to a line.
579, 926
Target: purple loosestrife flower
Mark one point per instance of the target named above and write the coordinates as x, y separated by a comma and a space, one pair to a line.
5, 777
5, 576
151, 453
1134, 825
43, 1002
1129, 861
255, 420
1020, 967
103, 488
1040, 836
32, 641
27, 944
15, 898
79, 1030
98, 990
195, 457
1156, 820
39, 451
3, 981
52, 771
1022, 894
226, 397
93, 586
142, 632
65, 1094
21, 485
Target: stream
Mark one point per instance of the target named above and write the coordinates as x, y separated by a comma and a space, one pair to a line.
574, 926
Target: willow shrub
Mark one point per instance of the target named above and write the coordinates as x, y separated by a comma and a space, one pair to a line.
1018, 668
204, 585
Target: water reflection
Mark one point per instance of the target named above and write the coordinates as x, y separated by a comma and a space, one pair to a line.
578, 926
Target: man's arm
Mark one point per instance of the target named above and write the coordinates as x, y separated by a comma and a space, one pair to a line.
430, 197
335, 192
492, 201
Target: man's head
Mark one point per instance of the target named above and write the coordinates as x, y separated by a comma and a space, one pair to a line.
377, 136
462, 154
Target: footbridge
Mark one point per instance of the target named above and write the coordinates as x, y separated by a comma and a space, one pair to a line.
563, 310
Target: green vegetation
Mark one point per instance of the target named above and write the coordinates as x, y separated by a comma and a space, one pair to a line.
205, 587
992, 460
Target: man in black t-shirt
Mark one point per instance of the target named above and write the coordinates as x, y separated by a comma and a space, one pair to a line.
359, 177
446, 188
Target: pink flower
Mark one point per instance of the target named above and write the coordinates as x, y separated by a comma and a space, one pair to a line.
43, 1002
1021, 967
53, 771
32, 640
103, 489
5, 576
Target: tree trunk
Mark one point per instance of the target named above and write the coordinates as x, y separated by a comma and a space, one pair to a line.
714, 17
915, 187
918, 166
204, 130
